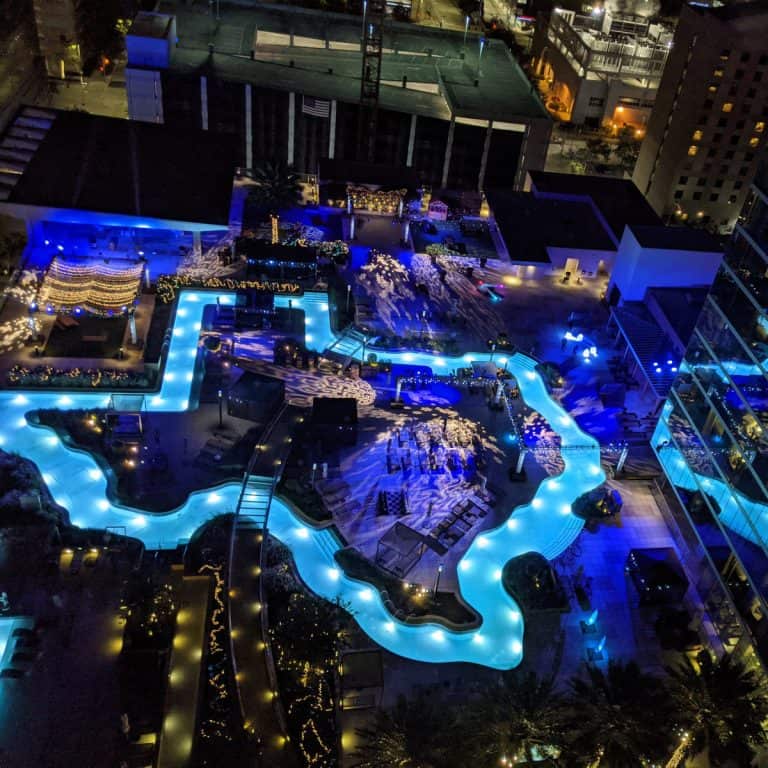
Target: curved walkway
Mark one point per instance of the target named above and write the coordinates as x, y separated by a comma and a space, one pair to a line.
546, 524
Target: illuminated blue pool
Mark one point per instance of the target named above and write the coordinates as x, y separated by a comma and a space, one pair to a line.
544, 525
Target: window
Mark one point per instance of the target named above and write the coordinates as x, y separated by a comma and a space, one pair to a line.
718, 72
759, 127
744, 57
722, 122
718, 184
732, 199
702, 120
740, 124
697, 195
738, 74
678, 195
743, 171
692, 150
729, 155
734, 140
724, 54
708, 103
763, 60
746, 109
697, 135
683, 180
727, 107
713, 198
754, 141
758, 77
712, 88
733, 90
596, 101
749, 157
751, 93
711, 152
701, 182
717, 138
738, 184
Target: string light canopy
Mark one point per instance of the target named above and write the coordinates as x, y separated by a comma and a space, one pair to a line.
96, 287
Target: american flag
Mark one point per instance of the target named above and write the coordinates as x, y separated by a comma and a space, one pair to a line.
316, 107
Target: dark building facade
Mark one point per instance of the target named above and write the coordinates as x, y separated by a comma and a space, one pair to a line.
461, 116
700, 150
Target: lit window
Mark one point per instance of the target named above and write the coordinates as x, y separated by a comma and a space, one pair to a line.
692, 150
718, 73
754, 141
697, 135
759, 127
712, 88
728, 106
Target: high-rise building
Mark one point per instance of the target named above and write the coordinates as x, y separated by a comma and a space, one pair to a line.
700, 150
712, 437
603, 68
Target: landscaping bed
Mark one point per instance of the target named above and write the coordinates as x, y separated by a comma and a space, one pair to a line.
306, 634
408, 601
534, 585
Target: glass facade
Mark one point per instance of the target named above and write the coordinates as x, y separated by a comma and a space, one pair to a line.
711, 438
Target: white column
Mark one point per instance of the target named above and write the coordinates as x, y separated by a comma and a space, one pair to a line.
332, 136
291, 124
248, 125
204, 101
484, 158
411, 142
520, 460
132, 325
448, 148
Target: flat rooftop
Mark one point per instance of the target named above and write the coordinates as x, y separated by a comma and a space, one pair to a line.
317, 53
675, 238
153, 25
74, 160
618, 201
530, 225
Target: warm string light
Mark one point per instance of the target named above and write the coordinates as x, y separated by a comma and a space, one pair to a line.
168, 285
95, 287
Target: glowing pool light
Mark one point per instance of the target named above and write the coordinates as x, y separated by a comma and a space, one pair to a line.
94, 474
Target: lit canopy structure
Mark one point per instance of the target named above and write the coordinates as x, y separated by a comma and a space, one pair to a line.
99, 287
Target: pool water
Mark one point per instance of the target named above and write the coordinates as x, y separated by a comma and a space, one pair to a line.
544, 525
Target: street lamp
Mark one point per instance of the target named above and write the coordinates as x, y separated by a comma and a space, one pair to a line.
349, 290
221, 405
437, 577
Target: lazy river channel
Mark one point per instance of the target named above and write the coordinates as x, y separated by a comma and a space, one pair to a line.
545, 524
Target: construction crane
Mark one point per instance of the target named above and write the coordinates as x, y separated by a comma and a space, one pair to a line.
373, 25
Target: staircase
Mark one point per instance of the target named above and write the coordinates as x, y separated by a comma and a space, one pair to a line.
347, 347
327, 544
255, 500
568, 531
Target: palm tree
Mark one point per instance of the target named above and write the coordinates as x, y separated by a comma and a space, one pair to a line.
721, 708
276, 186
616, 718
520, 716
416, 733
